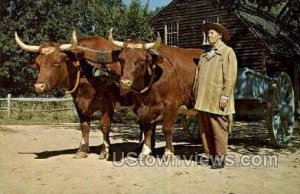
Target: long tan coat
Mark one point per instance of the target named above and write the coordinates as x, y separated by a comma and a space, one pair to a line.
216, 77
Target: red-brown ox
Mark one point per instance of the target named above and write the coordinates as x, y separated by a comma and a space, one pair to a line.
62, 66
161, 80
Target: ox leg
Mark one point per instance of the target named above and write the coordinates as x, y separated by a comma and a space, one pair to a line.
168, 125
105, 128
142, 138
153, 139
146, 150
141, 141
104, 153
84, 143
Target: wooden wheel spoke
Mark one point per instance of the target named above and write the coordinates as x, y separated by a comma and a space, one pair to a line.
284, 90
276, 101
289, 131
287, 96
288, 99
277, 95
276, 109
276, 123
284, 131
282, 93
280, 133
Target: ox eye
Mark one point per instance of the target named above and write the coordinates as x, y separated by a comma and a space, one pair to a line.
56, 64
141, 62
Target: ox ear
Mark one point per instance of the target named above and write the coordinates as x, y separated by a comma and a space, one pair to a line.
156, 57
115, 55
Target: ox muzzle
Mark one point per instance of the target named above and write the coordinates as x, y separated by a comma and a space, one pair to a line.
41, 87
125, 85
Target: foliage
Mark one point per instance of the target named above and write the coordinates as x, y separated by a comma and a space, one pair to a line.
53, 20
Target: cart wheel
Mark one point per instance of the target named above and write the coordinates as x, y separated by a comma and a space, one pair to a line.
280, 110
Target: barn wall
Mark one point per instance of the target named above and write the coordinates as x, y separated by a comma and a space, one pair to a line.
190, 15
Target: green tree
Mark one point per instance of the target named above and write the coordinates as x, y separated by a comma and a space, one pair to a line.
38, 21
137, 21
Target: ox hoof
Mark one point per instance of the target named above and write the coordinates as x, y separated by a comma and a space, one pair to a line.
80, 154
104, 156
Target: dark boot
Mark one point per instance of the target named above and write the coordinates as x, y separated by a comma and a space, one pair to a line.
218, 163
204, 161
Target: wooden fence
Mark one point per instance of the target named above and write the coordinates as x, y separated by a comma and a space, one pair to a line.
48, 109
35, 105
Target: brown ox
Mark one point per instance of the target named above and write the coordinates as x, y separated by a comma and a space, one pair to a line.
60, 67
161, 80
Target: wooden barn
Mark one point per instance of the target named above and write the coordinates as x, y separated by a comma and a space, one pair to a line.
257, 39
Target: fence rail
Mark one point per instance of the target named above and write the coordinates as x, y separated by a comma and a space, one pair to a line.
36, 99
9, 105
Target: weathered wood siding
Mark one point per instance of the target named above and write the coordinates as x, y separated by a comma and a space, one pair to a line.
190, 15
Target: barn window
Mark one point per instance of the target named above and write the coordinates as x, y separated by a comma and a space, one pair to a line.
216, 20
171, 33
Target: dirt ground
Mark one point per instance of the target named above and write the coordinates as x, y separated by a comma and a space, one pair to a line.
39, 159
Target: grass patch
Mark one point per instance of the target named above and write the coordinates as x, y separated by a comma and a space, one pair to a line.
23, 112
34, 122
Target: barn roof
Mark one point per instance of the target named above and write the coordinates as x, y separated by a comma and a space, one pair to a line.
279, 41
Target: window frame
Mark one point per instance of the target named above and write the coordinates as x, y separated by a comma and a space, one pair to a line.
171, 33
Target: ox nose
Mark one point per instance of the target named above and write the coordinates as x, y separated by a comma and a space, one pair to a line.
126, 82
40, 87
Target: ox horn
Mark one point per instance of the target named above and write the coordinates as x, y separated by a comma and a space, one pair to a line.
30, 48
72, 46
153, 44
74, 40
65, 47
117, 43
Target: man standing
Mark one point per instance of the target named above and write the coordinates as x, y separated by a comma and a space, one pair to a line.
214, 89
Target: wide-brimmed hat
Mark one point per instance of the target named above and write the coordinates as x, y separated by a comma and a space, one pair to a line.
218, 27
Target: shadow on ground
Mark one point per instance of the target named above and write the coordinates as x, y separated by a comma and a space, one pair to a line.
252, 137
246, 138
121, 150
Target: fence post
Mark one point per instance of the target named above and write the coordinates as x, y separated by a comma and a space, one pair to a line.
75, 114
8, 105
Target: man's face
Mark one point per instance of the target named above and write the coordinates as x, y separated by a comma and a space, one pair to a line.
213, 36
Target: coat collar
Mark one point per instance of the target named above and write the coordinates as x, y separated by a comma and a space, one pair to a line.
219, 46
216, 50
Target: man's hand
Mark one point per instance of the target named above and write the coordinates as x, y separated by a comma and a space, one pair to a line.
223, 103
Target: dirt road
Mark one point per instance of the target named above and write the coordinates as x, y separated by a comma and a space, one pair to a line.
39, 159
